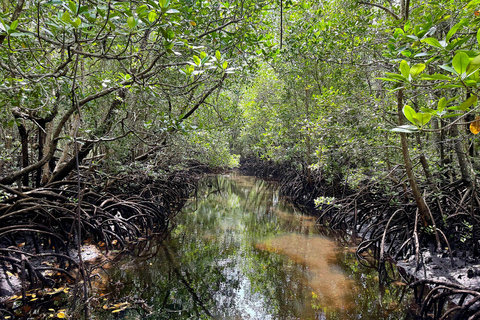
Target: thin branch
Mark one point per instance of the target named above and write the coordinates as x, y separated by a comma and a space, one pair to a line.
390, 12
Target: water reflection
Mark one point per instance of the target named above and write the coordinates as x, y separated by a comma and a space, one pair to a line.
239, 252
318, 255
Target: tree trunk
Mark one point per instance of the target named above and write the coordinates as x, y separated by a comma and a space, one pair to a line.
466, 169
421, 205
22, 131
83, 152
42, 135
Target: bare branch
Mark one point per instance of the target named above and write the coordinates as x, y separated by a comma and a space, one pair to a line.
390, 12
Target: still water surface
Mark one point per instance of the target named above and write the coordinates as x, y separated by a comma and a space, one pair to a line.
240, 252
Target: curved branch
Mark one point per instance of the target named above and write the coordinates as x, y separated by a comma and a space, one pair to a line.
390, 12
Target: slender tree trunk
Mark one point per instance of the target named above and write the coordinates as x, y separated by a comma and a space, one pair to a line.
421, 205
46, 147
466, 169
22, 131
424, 162
41, 143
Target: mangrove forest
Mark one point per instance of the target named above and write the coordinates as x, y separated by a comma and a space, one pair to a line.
240, 159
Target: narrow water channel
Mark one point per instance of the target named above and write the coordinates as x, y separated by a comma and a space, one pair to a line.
240, 252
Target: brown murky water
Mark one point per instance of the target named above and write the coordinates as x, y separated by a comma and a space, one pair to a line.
319, 256
240, 252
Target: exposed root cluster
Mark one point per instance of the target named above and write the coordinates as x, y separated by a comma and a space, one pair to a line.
42, 230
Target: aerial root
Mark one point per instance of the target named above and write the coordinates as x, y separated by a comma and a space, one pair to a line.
38, 237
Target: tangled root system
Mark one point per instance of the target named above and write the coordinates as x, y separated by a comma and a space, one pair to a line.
42, 230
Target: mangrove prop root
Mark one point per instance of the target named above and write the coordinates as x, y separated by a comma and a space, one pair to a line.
38, 240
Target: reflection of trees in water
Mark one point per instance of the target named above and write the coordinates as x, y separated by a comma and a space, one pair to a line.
212, 266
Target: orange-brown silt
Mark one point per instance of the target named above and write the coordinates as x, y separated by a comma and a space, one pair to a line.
317, 254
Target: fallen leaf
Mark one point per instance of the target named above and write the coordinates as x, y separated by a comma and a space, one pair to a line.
475, 126
61, 315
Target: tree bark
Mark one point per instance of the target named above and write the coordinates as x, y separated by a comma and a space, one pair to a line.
466, 169
88, 146
22, 131
417, 195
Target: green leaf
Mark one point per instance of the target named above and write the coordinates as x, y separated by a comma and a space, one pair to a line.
405, 129
131, 22
83, 9
470, 83
197, 60
409, 113
401, 130
428, 110
460, 62
19, 34
417, 69
467, 103
422, 118
389, 79
478, 36
218, 55
405, 69
436, 76
66, 17
473, 66
142, 9
456, 108
450, 115
152, 15
164, 3
455, 28
14, 25
76, 23
449, 69
395, 76
457, 42
448, 86
203, 55
72, 6
442, 103
433, 42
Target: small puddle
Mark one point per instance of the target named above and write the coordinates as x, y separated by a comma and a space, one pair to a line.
239, 252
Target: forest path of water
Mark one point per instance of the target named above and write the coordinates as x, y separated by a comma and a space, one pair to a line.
240, 252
